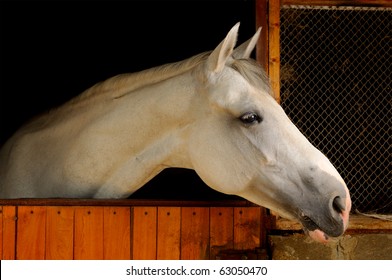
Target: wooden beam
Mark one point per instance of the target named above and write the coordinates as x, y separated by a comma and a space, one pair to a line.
122, 202
274, 47
262, 50
357, 223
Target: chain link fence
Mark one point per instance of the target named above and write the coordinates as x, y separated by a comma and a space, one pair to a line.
336, 87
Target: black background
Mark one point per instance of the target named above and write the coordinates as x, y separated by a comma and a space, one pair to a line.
52, 51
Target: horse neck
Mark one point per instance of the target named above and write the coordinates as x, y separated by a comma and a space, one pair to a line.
154, 121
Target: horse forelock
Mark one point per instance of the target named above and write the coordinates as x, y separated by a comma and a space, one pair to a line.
253, 73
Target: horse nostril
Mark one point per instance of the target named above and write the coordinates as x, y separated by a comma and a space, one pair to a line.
339, 204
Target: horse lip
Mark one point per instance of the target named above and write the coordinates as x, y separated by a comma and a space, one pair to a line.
310, 225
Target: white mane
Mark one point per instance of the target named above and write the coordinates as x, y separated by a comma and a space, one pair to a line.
123, 84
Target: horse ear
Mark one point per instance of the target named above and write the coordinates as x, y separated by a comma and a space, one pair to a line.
245, 49
217, 59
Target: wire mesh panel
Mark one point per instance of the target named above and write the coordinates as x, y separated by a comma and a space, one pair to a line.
336, 87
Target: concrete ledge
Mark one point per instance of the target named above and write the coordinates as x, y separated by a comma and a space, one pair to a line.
348, 247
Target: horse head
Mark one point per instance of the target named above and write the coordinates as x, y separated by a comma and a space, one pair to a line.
244, 144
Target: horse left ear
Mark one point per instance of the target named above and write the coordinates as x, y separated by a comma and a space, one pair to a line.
245, 49
217, 59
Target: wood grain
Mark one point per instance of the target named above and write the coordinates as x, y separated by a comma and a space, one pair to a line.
88, 233
30, 243
221, 230
8, 232
117, 233
195, 232
246, 228
274, 47
59, 233
144, 229
169, 235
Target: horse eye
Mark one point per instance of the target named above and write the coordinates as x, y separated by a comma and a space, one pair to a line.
250, 118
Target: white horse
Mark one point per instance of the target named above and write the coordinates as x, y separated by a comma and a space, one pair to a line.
212, 113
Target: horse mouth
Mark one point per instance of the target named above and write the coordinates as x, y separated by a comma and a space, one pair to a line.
313, 230
309, 224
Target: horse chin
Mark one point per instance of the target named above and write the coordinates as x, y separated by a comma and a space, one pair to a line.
312, 229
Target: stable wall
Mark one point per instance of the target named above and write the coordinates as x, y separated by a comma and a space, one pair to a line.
126, 229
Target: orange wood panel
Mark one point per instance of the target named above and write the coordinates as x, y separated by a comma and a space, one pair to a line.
117, 233
221, 229
59, 232
1, 232
168, 235
30, 243
247, 227
262, 53
195, 232
144, 233
8, 232
88, 241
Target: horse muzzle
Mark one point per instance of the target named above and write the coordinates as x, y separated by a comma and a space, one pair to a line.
321, 226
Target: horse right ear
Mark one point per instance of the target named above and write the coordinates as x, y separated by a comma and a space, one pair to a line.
217, 59
245, 49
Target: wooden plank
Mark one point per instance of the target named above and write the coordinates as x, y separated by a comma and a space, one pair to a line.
357, 223
8, 233
262, 53
195, 232
30, 240
274, 47
168, 234
59, 233
221, 230
247, 228
88, 244
144, 233
121, 202
1, 232
117, 233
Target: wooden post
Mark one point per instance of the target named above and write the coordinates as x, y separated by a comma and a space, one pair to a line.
262, 52
274, 47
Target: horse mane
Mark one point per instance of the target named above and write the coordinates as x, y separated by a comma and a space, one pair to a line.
253, 73
122, 84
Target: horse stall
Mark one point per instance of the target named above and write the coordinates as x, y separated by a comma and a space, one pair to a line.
167, 226
126, 229
166, 223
